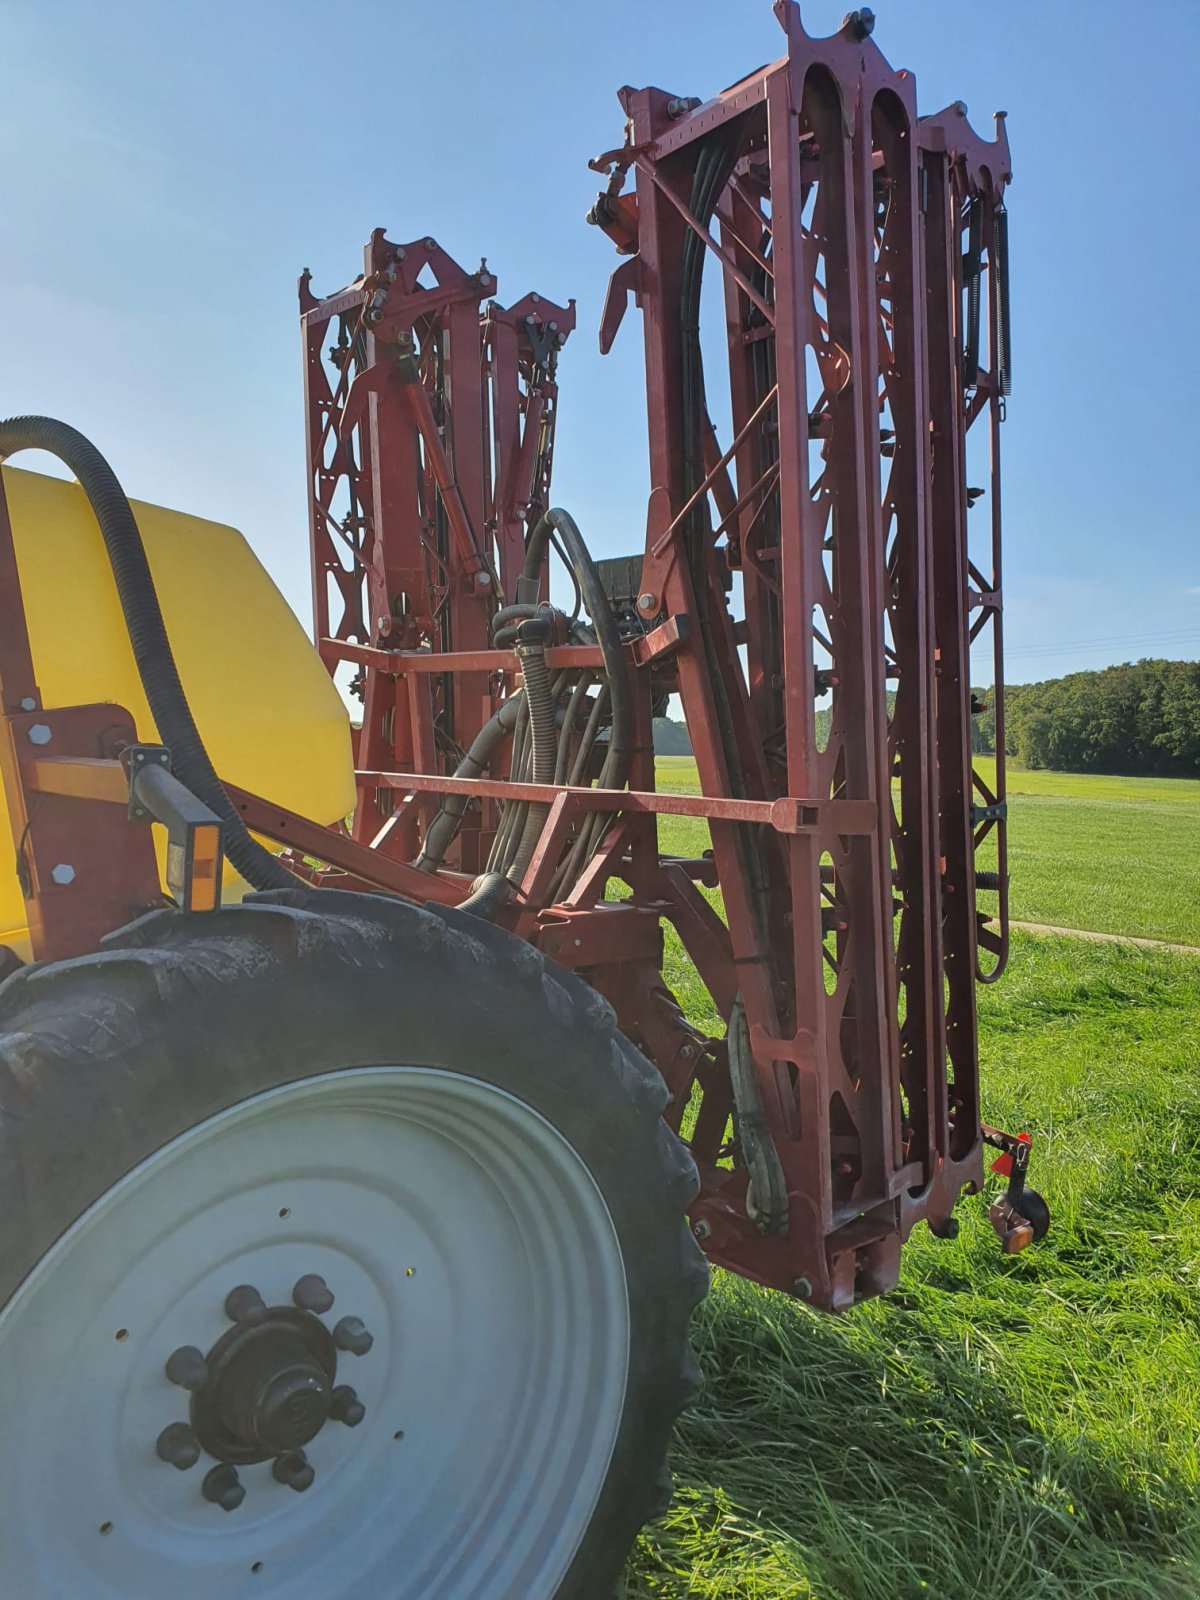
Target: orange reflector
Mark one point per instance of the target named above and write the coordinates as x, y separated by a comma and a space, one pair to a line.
204, 881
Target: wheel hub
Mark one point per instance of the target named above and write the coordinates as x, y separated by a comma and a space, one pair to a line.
265, 1389
269, 1387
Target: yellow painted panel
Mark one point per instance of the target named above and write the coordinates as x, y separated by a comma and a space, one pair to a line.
266, 709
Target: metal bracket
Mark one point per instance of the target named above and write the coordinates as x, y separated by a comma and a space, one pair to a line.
995, 813
194, 853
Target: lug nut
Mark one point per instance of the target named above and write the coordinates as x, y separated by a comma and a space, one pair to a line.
351, 1334
187, 1367
312, 1294
223, 1487
345, 1406
178, 1446
245, 1304
293, 1469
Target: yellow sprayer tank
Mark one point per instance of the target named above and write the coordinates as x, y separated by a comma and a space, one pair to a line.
266, 709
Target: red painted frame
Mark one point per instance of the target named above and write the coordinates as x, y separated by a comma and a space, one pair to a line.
838, 237
842, 231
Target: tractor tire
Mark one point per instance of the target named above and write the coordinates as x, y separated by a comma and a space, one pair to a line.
343, 1256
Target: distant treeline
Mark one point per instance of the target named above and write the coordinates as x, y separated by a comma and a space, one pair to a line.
1142, 719
671, 737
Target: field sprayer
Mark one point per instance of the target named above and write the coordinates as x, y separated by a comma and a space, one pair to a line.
350, 1228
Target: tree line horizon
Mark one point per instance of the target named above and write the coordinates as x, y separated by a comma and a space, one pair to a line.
1137, 719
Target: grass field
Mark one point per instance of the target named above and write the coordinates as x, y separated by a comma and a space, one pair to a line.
998, 1429
1109, 855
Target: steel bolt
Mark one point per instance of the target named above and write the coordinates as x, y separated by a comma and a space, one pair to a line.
29, 703
312, 1293
345, 1406
802, 1289
701, 1229
294, 1470
39, 733
187, 1367
245, 1304
63, 873
861, 23
647, 604
178, 1446
223, 1487
351, 1334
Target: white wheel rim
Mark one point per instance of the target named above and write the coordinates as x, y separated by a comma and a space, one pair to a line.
475, 1245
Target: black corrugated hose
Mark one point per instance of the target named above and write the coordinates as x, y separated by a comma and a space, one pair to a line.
147, 634
599, 608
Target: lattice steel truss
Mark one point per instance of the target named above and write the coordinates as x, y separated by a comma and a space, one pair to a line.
815, 561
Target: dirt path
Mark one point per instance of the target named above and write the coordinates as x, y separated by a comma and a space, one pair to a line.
1107, 938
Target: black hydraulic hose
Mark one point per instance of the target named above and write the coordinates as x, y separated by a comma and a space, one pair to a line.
476, 762
492, 889
714, 167
532, 639
605, 623
147, 634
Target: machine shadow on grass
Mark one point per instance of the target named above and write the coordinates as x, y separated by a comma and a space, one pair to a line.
998, 1428
848, 1469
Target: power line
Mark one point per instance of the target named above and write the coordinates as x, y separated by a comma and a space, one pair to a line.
1069, 647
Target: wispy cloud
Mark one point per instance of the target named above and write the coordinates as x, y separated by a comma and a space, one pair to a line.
1195, 589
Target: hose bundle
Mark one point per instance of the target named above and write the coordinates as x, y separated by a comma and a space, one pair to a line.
548, 747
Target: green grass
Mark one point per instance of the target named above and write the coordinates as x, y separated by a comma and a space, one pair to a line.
999, 1428
1108, 855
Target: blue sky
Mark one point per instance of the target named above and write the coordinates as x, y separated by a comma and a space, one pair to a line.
169, 169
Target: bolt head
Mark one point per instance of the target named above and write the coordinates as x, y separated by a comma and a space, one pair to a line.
802, 1289
345, 1406
860, 24
647, 604
223, 1487
63, 873
351, 1334
39, 733
245, 1304
28, 703
294, 1470
312, 1293
178, 1446
187, 1367
701, 1229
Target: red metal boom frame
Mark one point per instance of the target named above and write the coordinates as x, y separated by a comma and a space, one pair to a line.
853, 243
